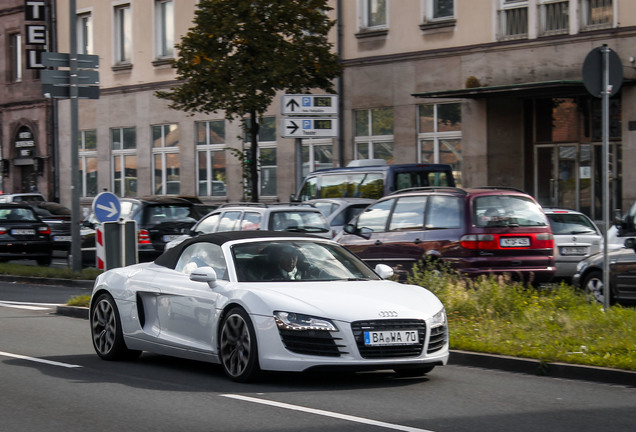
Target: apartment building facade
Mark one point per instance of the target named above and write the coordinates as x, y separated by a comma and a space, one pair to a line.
493, 87
27, 131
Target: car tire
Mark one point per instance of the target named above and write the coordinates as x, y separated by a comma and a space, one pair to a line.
593, 286
238, 350
106, 331
44, 261
412, 372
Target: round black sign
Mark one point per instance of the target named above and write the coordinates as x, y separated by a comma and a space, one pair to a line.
593, 72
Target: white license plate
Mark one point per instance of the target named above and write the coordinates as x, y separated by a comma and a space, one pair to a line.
18, 231
388, 337
573, 250
514, 241
170, 237
62, 238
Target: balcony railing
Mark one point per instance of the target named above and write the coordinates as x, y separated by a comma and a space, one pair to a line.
597, 14
554, 17
513, 22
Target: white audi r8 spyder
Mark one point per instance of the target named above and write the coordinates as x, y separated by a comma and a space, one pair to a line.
231, 298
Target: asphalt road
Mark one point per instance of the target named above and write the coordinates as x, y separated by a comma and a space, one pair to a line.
52, 380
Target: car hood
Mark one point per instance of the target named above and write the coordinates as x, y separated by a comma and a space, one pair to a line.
346, 300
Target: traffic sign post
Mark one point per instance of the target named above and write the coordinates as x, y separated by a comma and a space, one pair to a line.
304, 104
309, 127
106, 207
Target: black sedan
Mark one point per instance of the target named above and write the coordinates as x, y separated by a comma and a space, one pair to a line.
589, 274
23, 235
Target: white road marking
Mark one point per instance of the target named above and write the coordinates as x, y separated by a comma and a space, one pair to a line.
38, 360
28, 306
326, 413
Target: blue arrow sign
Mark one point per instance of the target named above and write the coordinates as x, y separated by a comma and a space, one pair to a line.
106, 207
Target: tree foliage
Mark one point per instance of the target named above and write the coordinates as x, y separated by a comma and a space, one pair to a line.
241, 53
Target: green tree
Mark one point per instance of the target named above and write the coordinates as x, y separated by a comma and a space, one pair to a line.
240, 53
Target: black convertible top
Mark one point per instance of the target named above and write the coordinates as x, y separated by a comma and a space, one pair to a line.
170, 257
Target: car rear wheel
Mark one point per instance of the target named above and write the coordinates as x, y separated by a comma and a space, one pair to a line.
237, 346
593, 285
107, 335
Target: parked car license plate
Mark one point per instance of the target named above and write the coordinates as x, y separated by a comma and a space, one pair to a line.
23, 231
388, 337
514, 241
573, 250
62, 238
169, 237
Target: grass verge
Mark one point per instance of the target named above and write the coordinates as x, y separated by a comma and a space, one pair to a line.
47, 272
551, 324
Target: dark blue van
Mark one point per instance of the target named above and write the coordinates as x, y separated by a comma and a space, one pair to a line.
372, 178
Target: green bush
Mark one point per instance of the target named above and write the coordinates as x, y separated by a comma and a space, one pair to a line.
554, 323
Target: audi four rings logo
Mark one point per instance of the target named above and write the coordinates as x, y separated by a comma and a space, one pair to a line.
388, 314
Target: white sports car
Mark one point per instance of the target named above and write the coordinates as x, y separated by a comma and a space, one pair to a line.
224, 298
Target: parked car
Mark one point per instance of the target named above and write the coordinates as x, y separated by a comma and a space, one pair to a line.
576, 237
23, 235
480, 231
58, 218
589, 274
159, 221
371, 178
259, 216
22, 197
197, 301
340, 211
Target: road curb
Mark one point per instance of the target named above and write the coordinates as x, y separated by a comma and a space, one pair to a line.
542, 368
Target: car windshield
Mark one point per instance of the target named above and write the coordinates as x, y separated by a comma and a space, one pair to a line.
301, 221
507, 210
18, 215
297, 261
570, 223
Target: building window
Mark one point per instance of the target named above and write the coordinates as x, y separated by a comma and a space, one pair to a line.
317, 154
164, 25
123, 34
597, 14
374, 134
440, 136
374, 14
554, 17
513, 19
440, 9
16, 57
165, 159
211, 163
88, 162
124, 153
84, 33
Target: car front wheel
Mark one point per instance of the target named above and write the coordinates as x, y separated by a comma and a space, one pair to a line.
106, 332
237, 346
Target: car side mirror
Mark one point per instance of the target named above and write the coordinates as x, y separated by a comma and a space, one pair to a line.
204, 274
292, 198
630, 243
384, 271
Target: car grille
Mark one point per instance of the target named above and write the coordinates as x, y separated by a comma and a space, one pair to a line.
311, 342
359, 327
437, 340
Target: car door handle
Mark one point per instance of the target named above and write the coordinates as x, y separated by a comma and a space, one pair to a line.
377, 243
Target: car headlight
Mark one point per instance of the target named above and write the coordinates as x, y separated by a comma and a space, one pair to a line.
439, 319
294, 321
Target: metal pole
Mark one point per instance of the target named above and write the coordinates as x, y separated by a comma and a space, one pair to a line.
76, 247
606, 90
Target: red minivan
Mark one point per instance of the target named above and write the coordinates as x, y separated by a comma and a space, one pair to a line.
477, 231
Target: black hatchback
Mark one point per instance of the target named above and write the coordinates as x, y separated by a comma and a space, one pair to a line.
23, 235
